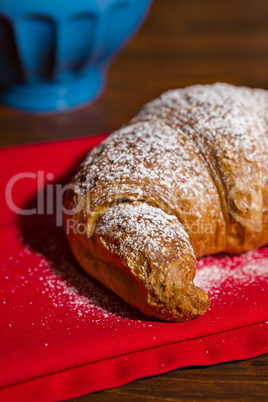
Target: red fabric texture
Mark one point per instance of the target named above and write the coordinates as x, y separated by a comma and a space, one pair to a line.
63, 335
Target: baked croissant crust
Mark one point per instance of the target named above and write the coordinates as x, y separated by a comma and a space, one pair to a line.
187, 177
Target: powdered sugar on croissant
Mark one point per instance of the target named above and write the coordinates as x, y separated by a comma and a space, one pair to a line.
187, 177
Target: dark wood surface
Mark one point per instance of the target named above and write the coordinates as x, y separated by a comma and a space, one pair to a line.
183, 42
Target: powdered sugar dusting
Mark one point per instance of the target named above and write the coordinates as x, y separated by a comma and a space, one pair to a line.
146, 151
226, 122
215, 112
53, 272
142, 229
43, 270
151, 162
192, 152
232, 273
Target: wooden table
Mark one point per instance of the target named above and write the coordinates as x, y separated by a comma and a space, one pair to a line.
183, 42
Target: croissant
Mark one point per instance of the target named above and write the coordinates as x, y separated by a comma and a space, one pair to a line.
187, 177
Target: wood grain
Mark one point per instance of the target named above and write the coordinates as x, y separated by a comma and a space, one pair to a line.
183, 42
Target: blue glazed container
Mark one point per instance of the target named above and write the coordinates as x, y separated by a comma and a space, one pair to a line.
54, 54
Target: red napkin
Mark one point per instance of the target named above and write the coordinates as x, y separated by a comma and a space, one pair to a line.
62, 334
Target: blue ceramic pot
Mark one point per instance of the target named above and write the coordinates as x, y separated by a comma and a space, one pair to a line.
54, 54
